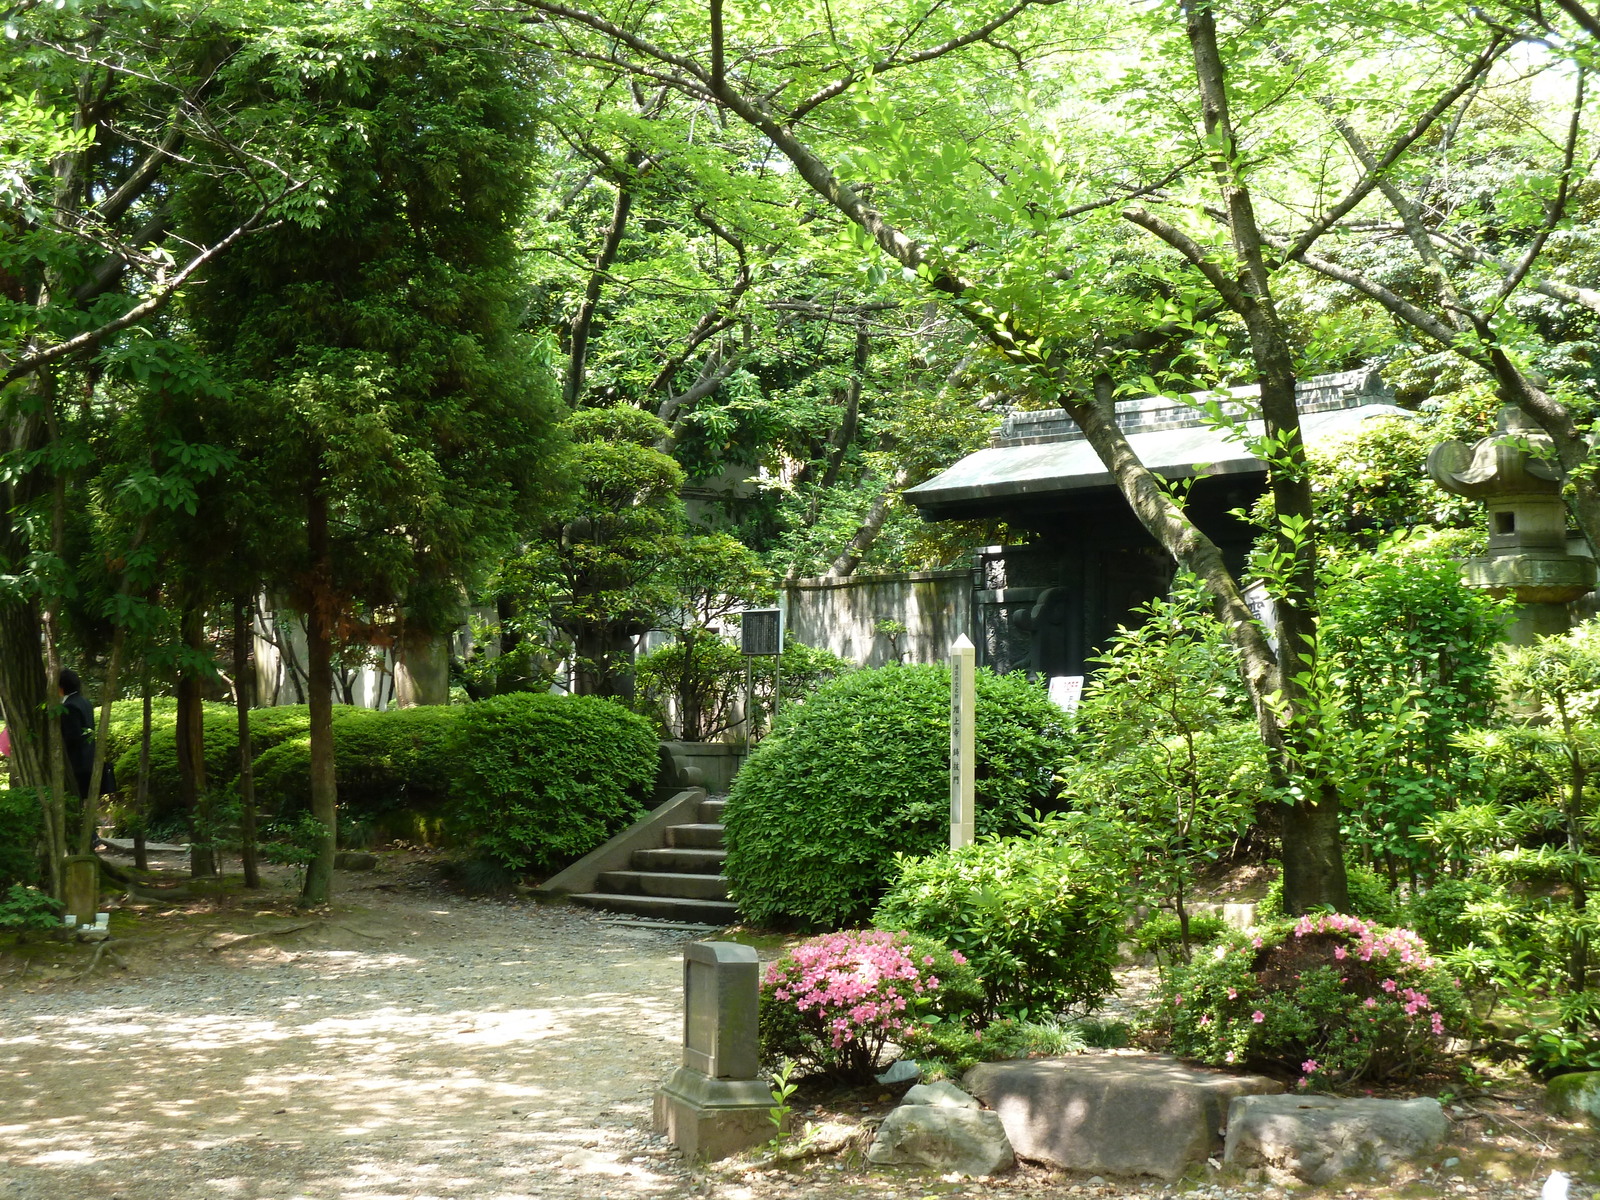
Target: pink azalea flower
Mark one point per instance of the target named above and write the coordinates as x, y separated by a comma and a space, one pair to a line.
1258, 1016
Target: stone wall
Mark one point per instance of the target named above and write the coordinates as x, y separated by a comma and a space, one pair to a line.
842, 615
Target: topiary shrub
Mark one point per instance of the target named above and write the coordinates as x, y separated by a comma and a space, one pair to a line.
860, 772
1038, 918
269, 727
542, 780
384, 762
21, 828
834, 1002
1331, 998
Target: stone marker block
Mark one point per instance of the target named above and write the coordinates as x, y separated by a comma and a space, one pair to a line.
943, 1138
1318, 1138
721, 996
1112, 1114
714, 1105
83, 887
1575, 1096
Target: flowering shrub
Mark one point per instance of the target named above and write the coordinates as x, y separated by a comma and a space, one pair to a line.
834, 1002
1330, 997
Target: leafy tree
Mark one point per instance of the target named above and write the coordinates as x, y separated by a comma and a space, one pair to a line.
386, 408
1163, 749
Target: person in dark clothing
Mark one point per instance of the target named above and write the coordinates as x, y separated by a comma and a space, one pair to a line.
77, 731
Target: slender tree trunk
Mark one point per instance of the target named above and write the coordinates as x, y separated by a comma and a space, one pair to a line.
141, 855
318, 887
244, 675
108, 694
191, 747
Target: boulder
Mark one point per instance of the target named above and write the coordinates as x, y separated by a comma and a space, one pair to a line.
964, 1140
1122, 1114
354, 860
903, 1071
1575, 1096
940, 1095
1318, 1138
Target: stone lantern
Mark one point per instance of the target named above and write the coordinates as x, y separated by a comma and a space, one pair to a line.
1516, 476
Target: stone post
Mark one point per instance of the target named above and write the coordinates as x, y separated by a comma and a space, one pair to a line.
714, 1105
1516, 476
83, 887
963, 705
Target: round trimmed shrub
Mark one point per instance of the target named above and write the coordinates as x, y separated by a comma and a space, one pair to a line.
1037, 917
542, 780
860, 772
384, 762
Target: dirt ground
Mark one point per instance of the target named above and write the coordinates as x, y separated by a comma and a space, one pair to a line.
409, 1043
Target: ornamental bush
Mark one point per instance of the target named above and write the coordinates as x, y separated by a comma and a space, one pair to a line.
542, 779
21, 831
1331, 998
860, 772
834, 1002
1037, 917
384, 762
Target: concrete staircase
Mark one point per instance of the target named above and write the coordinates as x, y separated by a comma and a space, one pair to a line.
679, 879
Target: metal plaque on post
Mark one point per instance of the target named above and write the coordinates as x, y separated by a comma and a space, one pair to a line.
761, 632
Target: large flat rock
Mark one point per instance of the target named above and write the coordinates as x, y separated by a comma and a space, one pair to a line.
1576, 1097
1316, 1139
1118, 1114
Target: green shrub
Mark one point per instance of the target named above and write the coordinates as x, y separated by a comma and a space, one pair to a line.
545, 779
26, 908
859, 772
948, 1050
1162, 935
269, 727
1331, 998
1443, 915
383, 761
1370, 897
1037, 916
833, 1003
21, 828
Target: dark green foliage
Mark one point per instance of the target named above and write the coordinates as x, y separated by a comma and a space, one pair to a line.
21, 831
1441, 914
1038, 918
24, 908
545, 779
268, 728
384, 761
1370, 897
1413, 648
860, 772
1162, 935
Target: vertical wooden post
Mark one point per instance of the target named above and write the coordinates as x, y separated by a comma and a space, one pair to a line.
963, 704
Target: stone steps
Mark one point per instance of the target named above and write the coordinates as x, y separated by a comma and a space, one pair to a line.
680, 881
666, 908
690, 885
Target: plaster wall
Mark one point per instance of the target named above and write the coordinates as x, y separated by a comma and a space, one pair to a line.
842, 615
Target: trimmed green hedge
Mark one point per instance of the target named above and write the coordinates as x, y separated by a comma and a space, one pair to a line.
543, 779
860, 773
531, 781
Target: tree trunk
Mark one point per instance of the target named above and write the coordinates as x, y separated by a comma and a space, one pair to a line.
108, 693
244, 675
141, 856
191, 747
318, 887
422, 668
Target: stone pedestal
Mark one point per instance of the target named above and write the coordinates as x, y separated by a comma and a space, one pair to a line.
714, 1105
83, 887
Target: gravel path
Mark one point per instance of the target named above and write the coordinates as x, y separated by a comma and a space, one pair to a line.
409, 1045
